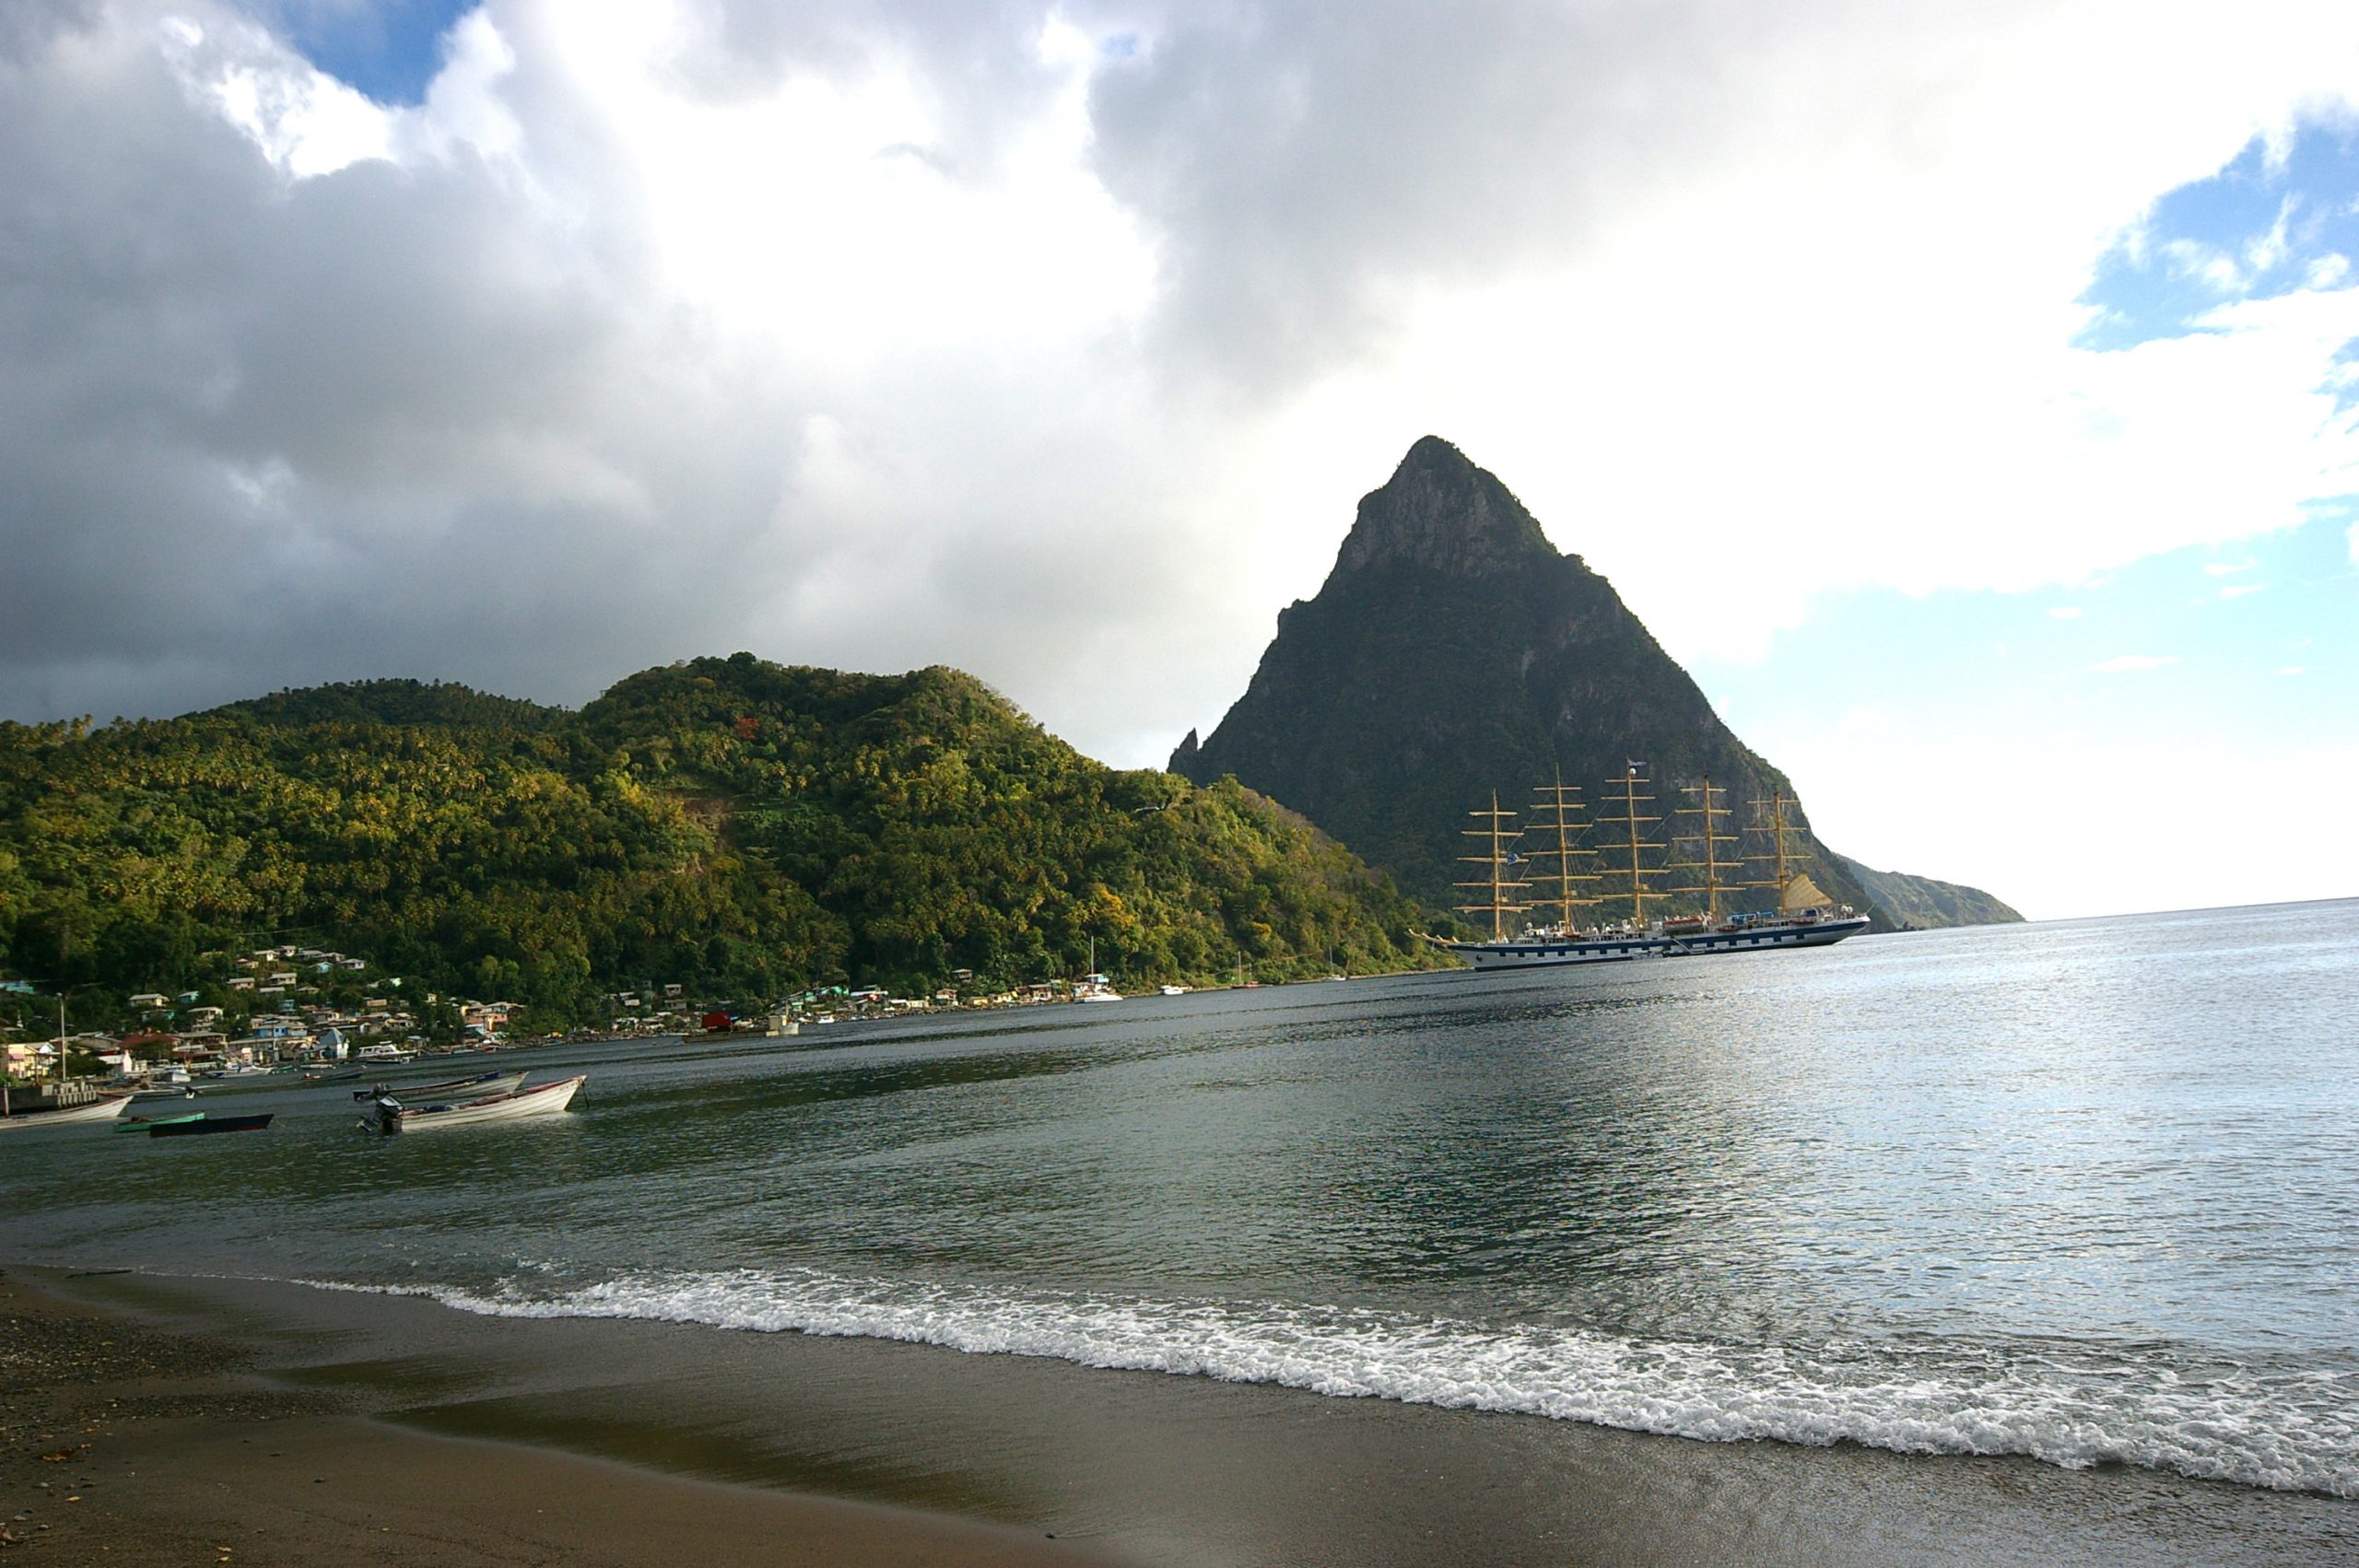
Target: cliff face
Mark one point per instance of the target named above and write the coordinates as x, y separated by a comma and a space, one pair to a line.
1454, 652
1921, 902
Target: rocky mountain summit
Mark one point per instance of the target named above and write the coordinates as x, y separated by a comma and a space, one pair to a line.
1454, 652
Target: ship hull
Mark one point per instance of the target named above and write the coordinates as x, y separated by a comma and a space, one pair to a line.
1541, 952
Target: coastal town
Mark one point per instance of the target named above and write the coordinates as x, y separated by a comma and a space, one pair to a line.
291, 1007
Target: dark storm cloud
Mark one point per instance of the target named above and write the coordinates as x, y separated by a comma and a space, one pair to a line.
385, 421
438, 417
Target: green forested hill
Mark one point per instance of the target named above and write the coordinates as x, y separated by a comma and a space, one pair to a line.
736, 826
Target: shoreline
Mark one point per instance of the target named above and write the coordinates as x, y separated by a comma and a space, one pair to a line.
425, 1425
126, 1443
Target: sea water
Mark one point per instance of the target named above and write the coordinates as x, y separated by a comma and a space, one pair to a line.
2084, 1191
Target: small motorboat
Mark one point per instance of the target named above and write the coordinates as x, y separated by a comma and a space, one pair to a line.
389, 1114
142, 1123
483, 1085
71, 1116
180, 1127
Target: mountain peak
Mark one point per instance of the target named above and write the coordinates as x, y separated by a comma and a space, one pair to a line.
1454, 652
1440, 512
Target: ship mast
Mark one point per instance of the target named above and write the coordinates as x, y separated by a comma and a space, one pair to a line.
1629, 799
1497, 883
1558, 799
1712, 865
1778, 832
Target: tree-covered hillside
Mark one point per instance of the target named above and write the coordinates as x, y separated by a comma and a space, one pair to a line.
732, 825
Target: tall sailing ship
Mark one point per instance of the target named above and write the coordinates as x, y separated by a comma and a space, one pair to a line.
1571, 931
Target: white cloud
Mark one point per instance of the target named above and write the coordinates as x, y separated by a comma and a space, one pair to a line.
881, 335
305, 121
2124, 664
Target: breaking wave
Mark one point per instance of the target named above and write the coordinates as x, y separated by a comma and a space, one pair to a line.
2072, 1406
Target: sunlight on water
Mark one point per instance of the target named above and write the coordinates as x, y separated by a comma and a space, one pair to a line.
2078, 1190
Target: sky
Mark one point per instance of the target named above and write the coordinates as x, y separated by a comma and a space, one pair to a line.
1964, 393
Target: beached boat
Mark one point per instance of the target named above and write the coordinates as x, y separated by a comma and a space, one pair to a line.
71, 1116
1804, 917
482, 1086
193, 1126
142, 1123
389, 1114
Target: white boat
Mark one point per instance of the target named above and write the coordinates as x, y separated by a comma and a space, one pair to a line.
1095, 987
105, 1108
1173, 991
389, 1114
482, 1086
94, 1110
383, 1053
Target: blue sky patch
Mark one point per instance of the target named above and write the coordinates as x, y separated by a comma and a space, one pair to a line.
2257, 229
2240, 641
388, 49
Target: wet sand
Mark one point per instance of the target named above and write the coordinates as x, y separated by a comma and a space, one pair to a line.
689, 1429
120, 1444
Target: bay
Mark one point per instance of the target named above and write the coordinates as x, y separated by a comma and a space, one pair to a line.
2079, 1191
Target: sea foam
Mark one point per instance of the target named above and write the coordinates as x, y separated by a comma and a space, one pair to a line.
2072, 1406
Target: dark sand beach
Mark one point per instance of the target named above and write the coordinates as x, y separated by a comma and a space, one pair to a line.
121, 1443
291, 1424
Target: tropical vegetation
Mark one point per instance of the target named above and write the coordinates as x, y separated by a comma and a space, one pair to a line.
729, 825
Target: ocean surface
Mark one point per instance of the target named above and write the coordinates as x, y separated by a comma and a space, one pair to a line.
2083, 1191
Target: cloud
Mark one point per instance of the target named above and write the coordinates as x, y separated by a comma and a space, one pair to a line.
2065, 611
2125, 664
535, 383
1056, 341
